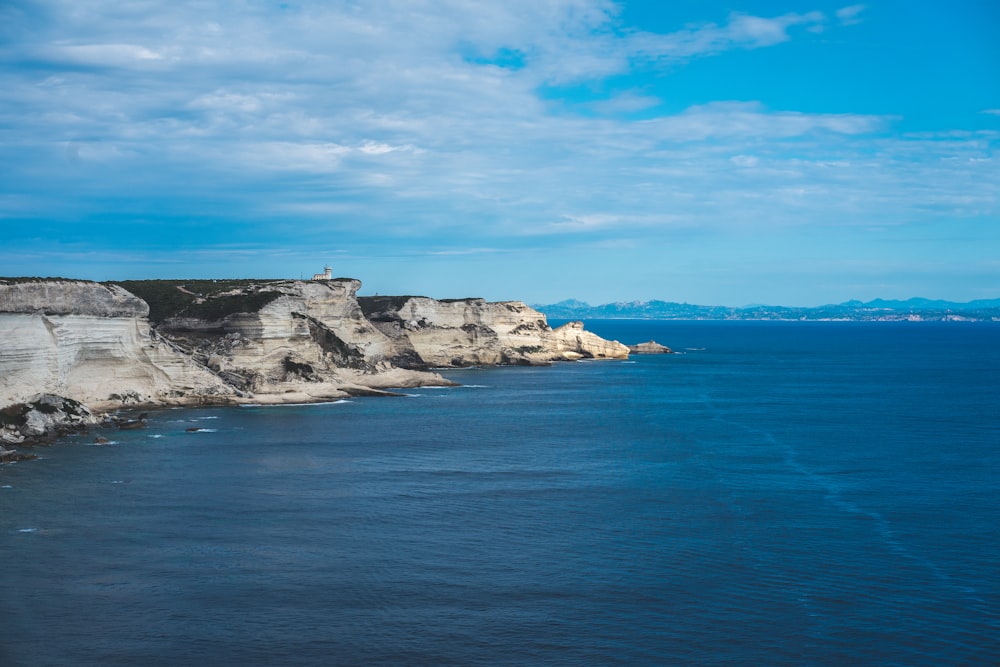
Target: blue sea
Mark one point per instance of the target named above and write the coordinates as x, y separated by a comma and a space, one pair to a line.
783, 493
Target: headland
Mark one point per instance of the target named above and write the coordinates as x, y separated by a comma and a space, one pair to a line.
75, 352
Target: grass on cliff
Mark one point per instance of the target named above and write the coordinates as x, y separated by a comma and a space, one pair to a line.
380, 304
166, 300
216, 308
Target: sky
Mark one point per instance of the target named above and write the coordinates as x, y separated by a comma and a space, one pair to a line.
724, 153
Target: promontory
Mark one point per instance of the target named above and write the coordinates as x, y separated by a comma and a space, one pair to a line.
70, 349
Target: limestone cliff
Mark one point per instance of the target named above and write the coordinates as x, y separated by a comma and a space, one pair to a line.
571, 341
210, 341
69, 297
92, 343
464, 332
308, 340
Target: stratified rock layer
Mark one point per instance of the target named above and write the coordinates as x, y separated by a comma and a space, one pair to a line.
92, 343
69, 297
310, 342
467, 332
248, 341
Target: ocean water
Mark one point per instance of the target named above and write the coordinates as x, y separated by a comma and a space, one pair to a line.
778, 494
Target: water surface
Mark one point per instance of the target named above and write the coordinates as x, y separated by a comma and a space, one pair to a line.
780, 493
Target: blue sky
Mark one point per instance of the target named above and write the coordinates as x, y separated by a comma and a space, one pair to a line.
793, 153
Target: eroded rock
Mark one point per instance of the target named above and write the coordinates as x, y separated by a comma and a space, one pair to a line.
467, 332
245, 341
649, 347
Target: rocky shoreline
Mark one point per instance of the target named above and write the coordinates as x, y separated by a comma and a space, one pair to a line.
74, 353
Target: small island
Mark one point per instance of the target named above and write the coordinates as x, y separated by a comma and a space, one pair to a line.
649, 347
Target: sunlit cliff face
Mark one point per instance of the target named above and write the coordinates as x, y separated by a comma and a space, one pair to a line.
307, 341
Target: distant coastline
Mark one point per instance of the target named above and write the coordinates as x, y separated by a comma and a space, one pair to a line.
878, 310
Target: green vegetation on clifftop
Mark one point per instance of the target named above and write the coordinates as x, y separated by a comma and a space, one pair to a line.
204, 299
381, 304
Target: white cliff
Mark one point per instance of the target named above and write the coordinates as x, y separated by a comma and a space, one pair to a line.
310, 341
92, 343
571, 341
245, 341
466, 332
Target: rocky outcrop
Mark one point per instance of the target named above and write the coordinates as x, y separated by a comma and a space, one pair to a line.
571, 341
245, 341
649, 347
69, 297
92, 343
42, 415
310, 341
464, 332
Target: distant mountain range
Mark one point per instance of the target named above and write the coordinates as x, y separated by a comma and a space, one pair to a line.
877, 310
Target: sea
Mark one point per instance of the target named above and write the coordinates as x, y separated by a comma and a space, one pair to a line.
776, 493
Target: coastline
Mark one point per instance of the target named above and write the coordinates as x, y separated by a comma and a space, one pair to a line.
41, 432
77, 353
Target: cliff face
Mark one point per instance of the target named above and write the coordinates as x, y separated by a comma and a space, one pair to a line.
311, 340
243, 341
473, 332
69, 297
572, 342
93, 343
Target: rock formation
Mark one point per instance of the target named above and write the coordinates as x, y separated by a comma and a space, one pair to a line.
309, 339
91, 343
570, 341
103, 347
649, 347
282, 341
464, 332
39, 416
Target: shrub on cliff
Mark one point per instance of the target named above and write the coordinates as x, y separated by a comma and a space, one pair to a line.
203, 299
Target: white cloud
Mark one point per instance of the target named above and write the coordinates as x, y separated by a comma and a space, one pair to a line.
380, 148
288, 156
850, 15
227, 102
751, 121
117, 55
379, 117
745, 160
628, 102
743, 31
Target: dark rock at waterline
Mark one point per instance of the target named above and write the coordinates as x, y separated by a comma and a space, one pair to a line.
12, 455
41, 418
649, 347
131, 424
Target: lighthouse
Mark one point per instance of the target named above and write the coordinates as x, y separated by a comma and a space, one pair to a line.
326, 275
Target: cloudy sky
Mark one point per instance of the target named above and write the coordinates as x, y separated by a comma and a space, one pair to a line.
729, 153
